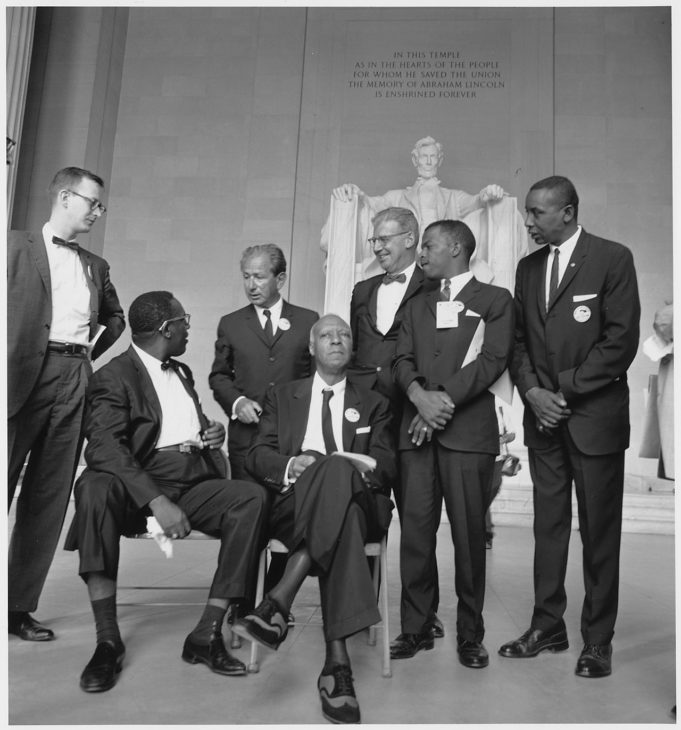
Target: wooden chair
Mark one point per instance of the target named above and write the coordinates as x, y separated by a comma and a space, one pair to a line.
380, 578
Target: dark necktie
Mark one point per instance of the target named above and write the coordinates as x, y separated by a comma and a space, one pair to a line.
389, 278
446, 291
269, 331
69, 244
327, 428
553, 279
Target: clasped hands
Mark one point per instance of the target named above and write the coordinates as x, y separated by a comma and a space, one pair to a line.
435, 409
549, 408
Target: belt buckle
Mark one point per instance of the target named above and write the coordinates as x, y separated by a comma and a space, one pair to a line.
185, 448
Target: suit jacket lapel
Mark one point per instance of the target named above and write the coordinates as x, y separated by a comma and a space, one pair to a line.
147, 386
253, 322
352, 400
372, 306
286, 313
40, 257
576, 260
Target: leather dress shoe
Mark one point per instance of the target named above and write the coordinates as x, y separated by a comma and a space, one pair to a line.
337, 695
267, 624
100, 672
595, 661
213, 654
436, 628
534, 641
472, 653
406, 645
27, 628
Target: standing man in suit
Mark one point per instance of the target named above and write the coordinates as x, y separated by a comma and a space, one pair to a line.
261, 345
577, 332
376, 311
62, 312
324, 508
152, 451
454, 343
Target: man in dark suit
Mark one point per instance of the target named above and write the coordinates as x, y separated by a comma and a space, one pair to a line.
325, 508
453, 345
263, 344
62, 312
152, 451
376, 311
577, 331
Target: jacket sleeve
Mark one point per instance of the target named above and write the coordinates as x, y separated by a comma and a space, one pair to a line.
404, 363
110, 315
264, 460
108, 430
522, 371
616, 348
222, 375
382, 448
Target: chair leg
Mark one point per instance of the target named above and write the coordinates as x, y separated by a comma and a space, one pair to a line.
253, 665
387, 670
376, 575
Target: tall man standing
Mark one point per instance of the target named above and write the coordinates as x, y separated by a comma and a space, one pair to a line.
454, 343
577, 332
261, 345
62, 312
376, 311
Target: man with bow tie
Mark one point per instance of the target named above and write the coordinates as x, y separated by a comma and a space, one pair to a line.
152, 451
376, 311
62, 312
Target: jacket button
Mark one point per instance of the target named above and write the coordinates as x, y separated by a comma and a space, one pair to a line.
378, 369
271, 359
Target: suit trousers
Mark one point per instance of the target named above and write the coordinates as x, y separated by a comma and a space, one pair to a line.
233, 511
47, 429
240, 436
464, 479
599, 487
331, 512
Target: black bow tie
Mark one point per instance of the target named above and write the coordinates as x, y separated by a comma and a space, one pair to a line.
61, 242
389, 278
169, 365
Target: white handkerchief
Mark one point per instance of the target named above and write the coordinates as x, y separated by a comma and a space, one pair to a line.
583, 297
471, 313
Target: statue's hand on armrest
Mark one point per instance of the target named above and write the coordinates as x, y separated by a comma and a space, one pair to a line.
490, 193
346, 192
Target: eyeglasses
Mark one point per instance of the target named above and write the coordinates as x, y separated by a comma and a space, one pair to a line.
95, 205
185, 317
384, 239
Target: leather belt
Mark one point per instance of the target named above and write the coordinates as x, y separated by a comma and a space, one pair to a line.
67, 348
182, 448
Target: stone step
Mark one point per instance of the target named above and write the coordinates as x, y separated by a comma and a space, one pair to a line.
642, 512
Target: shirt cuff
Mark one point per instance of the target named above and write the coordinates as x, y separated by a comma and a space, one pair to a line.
233, 416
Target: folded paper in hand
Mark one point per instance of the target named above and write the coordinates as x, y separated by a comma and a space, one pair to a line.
501, 388
162, 540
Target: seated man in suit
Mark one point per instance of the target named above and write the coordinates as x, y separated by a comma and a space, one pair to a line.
325, 509
152, 451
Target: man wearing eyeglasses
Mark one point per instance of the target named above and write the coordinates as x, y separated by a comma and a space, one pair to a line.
62, 312
376, 311
152, 451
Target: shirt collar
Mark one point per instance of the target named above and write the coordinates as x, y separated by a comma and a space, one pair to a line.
275, 309
567, 247
150, 362
318, 384
457, 283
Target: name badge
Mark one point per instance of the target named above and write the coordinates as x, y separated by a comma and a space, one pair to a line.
447, 314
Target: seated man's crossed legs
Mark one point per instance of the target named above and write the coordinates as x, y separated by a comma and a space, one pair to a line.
233, 511
325, 522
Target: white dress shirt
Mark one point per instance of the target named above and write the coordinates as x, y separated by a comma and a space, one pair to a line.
389, 298
275, 314
566, 250
70, 293
179, 418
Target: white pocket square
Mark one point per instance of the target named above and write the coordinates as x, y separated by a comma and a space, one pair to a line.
583, 297
471, 313
363, 429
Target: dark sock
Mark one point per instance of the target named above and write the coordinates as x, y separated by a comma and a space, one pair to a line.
106, 623
212, 616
